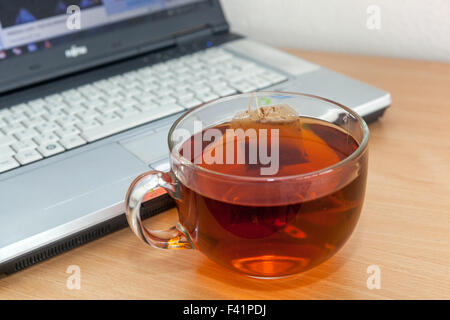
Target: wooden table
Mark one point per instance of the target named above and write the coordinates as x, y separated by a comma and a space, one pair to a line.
404, 228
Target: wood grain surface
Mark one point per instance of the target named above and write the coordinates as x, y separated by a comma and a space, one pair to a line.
404, 227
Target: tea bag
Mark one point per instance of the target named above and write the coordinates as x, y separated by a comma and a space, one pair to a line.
280, 116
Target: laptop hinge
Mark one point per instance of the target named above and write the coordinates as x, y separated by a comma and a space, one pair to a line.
221, 28
191, 35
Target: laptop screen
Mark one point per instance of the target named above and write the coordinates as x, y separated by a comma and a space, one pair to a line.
27, 26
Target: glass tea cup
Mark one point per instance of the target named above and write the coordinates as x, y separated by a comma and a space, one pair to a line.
261, 225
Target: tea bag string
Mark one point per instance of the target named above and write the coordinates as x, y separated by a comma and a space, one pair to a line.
250, 103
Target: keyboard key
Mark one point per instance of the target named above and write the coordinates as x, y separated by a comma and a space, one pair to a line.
91, 93
273, 77
214, 76
259, 82
134, 92
108, 108
67, 131
23, 145
126, 102
130, 75
54, 116
254, 71
88, 125
67, 120
207, 96
14, 118
166, 100
116, 79
56, 106
224, 91
47, 127
36, 103
243, 86
127, 112
74, 110
6, 140
75, 100
184, 95
242, 64
148, 105
150, 86
146, 97
8, 164
35, 111
101, 84
113, 99
26, 134
107, 118
130, 84
6, 152
12, 128
164, 92
160, 67
130, 122
217, 82
87, 115
72, 96
114, 92
33, 122
20, 109
188, 104
50, 148
165, 76
54, 98
200, 88
27, 156
95, 103
45, 138
182, 70
4, 112
236, 78
72, 142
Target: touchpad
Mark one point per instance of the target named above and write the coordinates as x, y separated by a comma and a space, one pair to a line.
150, 147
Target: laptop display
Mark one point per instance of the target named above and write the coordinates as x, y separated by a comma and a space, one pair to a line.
27, 26
45, 39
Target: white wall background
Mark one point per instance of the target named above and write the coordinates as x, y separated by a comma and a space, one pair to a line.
418, 29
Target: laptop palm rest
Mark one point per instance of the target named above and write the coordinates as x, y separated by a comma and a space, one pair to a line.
62, 193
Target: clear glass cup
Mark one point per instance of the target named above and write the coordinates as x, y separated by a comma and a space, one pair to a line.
260, 226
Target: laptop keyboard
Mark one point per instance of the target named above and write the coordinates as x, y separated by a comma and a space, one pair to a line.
44, 127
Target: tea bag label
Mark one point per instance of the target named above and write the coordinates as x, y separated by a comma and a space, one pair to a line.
276, 114
280, 117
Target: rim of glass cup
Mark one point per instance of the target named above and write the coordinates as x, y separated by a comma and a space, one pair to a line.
355, 154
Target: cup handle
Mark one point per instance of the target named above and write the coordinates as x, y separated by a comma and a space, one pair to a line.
172, 238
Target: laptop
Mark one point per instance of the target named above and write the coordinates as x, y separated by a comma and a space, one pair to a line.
88, 92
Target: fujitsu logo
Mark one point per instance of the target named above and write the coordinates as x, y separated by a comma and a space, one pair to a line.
75, 51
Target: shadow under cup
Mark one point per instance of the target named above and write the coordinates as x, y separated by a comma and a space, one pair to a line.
261, 226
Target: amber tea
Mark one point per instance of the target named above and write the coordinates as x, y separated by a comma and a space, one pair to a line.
257, 233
